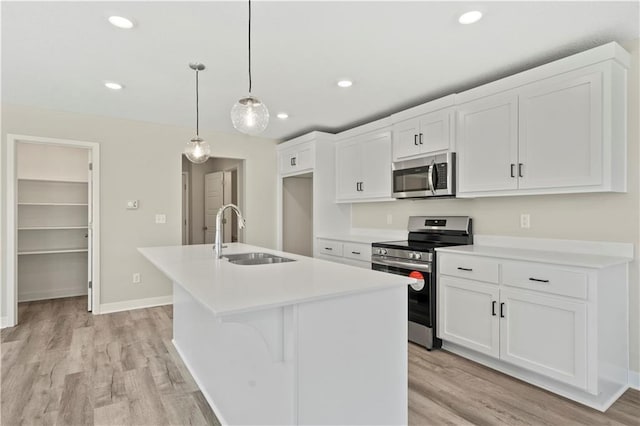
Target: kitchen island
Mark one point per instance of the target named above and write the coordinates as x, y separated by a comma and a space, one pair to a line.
300, 342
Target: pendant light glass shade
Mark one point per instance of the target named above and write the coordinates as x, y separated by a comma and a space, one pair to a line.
197, 150
249, 115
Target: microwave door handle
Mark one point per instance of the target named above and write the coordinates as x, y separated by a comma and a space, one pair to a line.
430, 178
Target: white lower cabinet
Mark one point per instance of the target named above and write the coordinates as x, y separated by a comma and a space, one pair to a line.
351, 253
468, 314
544, 334
560, 327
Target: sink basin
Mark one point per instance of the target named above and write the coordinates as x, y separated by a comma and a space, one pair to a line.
256, 259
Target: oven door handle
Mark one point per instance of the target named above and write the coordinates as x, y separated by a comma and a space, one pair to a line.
430, 177
413, 266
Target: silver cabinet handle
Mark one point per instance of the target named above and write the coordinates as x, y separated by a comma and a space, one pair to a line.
420, 138
355, 252
328, 248
520, 173
415, 140
465, 269
513, 166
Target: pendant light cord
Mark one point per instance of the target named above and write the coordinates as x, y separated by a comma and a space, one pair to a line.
249, 46
197, 108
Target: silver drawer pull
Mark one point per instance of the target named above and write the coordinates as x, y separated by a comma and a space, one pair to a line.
328, 248
538, 280
465, 269
355, 252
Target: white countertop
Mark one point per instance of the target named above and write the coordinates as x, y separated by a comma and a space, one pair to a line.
226, 288
553, 257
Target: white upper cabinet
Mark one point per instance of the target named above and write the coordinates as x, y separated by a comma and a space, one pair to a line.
558, 128
488, 144
363, 167
297, 159
560, 131
423, 134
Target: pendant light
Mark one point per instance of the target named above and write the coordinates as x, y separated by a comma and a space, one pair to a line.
197, 150
250, 115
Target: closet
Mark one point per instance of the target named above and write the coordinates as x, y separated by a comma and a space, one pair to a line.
53, 217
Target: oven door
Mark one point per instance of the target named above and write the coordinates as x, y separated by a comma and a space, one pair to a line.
412, 182
421, 297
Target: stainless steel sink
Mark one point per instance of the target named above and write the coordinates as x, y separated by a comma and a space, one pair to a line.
256, 258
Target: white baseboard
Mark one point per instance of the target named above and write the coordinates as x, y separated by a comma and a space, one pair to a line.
634, 379
31, 296
127, 305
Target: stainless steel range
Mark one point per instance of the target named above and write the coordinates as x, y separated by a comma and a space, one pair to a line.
416, 257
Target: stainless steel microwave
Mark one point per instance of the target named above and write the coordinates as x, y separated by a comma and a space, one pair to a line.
433, 176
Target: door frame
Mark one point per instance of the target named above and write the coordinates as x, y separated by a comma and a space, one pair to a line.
187, 201
11, 255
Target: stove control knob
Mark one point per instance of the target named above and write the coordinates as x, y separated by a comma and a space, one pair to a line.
383, 251
417, 255
412, 255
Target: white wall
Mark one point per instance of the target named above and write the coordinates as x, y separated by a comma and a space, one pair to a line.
142, 161
597, 217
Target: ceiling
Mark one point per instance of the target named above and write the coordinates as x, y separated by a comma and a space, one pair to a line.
399, 54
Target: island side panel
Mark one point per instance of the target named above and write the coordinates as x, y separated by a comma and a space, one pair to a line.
352, 359
237, 361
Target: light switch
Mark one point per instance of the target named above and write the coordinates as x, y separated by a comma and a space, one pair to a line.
132, 204
161, 218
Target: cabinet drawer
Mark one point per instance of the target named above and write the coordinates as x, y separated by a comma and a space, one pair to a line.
471, 267
548, 279
330, 247
357, 251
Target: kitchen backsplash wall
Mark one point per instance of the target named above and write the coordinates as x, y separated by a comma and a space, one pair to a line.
596, 217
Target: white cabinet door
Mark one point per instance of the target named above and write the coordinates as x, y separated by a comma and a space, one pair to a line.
468, 314
348, 170
560, 131
545, 334
487, 144
405, 139
296, 159
376, 166
435, 132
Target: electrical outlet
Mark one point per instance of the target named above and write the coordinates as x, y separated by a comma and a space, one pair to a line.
132, 204
525, 220
161, 218
135, 278
389, 218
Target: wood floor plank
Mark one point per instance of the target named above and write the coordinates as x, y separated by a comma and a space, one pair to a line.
117, 414
182, 409
144, 399
76, 407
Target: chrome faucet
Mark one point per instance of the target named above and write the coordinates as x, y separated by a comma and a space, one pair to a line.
217, 247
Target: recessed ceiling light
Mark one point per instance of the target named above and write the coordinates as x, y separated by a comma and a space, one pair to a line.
120, 22
470, 17
112, 85
345, 83
283, 115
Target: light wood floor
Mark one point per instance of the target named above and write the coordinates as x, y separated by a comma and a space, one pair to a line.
64, 366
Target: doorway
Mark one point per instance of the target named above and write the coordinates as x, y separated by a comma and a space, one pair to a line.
52, 221
212, 184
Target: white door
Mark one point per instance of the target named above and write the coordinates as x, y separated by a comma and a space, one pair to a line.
468, 314
487, 144
435, 131
90, 235
213, 200
561, 131
545, 334
405, 139
376, 166
348, 163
